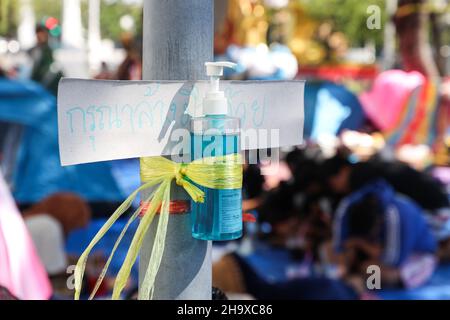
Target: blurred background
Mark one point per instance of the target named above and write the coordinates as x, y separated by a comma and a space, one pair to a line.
369, 186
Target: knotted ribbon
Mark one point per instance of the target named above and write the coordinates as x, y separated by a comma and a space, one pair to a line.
223, 172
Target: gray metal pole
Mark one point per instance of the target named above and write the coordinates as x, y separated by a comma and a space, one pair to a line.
178, 40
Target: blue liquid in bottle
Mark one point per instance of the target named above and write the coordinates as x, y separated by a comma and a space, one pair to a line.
219, 218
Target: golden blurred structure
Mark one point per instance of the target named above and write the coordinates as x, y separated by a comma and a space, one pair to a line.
251, 22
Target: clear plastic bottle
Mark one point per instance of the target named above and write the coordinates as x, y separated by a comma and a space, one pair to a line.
219, 218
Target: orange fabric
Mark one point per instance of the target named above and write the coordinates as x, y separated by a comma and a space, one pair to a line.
412, 135
69, 209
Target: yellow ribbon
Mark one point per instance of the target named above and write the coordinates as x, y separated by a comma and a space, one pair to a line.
224, 172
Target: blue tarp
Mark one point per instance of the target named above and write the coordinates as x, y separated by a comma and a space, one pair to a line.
38, 170
330, 108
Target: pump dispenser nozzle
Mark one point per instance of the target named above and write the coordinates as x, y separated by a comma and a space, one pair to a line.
215, 102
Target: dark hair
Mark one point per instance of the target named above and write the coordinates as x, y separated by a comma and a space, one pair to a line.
305, 167
363, 217
306, 175
41, 28
363, 173
332, 166
278, 205
294, 158
253, 182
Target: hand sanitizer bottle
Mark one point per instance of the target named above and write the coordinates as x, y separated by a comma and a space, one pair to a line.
214, 134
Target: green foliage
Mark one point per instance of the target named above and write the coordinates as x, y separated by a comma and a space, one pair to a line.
110, 18
47, 8
349, 17
8, 21
111, 12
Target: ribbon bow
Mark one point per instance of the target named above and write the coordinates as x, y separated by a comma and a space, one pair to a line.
223, 172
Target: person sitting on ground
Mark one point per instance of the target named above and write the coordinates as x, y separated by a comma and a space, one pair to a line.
344, 177
298, 221
279, 211
376, 226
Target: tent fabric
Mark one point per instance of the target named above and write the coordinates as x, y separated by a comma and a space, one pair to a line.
418, 122
385, 101
329, 109
21, 270
423, 127
38, 170
404, 106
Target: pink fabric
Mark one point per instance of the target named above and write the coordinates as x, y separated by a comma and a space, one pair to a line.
21, 270
385, 102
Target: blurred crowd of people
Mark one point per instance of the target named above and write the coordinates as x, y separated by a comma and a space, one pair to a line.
343, 215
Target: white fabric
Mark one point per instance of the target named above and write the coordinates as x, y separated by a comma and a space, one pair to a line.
48, 237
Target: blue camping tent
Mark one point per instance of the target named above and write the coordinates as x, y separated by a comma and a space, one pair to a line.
38, 172
330, 108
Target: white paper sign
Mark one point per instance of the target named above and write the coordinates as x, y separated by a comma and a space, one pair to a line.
108, 120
